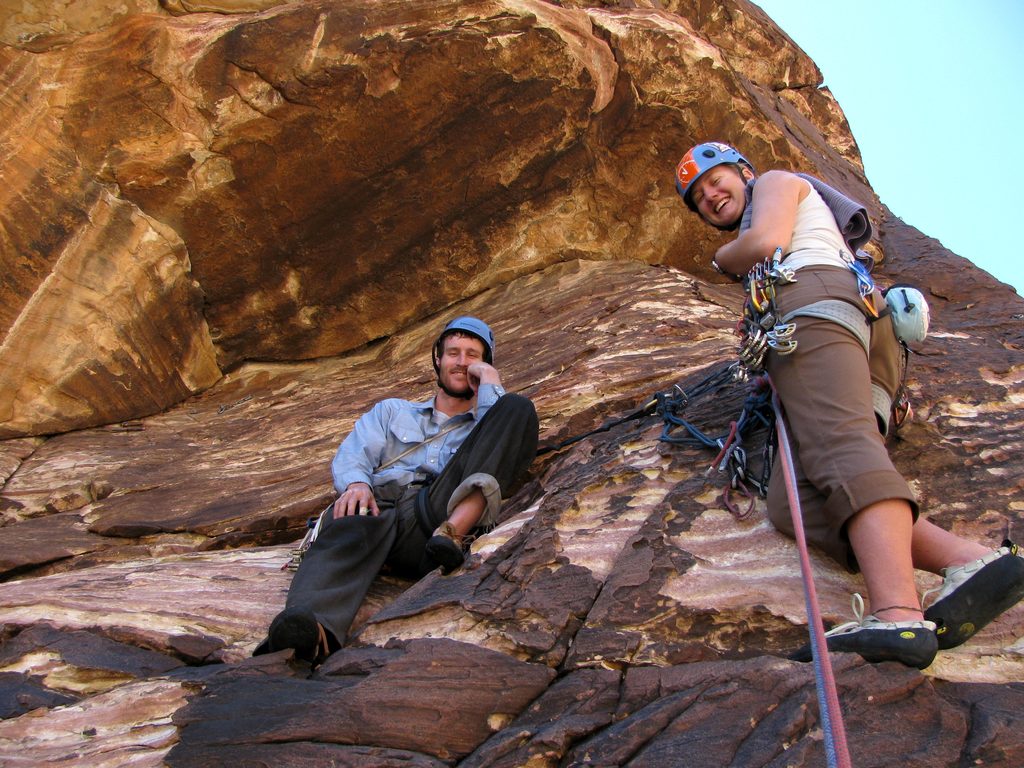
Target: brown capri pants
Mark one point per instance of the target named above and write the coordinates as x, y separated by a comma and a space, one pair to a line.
839, 455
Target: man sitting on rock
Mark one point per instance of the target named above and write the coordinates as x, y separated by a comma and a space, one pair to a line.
413, 480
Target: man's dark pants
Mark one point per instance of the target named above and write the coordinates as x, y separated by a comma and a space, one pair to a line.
338, 569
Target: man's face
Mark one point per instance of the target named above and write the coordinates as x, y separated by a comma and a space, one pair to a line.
458, 352
719, 195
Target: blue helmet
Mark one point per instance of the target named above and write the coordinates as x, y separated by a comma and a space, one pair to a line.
473, 327
701, 159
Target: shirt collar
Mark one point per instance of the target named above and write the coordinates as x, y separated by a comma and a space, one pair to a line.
428, 407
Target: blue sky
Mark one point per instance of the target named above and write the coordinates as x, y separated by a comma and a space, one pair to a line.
934, 93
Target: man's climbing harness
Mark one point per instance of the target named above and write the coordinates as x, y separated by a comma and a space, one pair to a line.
314, 524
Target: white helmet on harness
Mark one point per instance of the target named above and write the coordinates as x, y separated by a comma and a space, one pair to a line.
909, 311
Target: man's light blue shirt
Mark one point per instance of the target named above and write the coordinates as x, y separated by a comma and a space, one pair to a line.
392, 427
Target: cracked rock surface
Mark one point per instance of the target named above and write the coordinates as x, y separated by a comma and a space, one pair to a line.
228, 227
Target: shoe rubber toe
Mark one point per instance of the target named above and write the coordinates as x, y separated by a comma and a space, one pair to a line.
295, 628
995, 588
445, 552
912, 646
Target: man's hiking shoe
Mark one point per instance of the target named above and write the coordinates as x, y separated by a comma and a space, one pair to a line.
972, 595
297, 628
445, 547
909, 642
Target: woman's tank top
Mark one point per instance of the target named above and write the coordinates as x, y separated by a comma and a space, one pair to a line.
816, 237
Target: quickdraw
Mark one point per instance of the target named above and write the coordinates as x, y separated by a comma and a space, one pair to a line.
757, 414
313, 525
760, 328
902, 410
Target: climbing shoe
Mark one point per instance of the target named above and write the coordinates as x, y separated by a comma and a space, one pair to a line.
972, 595
445, 547
909, 642
297, 628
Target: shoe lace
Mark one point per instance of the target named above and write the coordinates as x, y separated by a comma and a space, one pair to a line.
857, 604
323, 646
933, 591
447, 530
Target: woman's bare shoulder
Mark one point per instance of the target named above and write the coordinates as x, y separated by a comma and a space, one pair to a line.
782, 182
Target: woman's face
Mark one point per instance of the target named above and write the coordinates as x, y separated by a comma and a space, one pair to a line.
719, 195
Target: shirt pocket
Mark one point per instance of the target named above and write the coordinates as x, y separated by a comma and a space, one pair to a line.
406, 429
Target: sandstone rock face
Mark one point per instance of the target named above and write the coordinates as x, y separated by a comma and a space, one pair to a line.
229, 227
78, 354
40, 25
506, 136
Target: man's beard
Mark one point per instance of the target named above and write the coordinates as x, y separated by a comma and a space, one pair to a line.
466, 394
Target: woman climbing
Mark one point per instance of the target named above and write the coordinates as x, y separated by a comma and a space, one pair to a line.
820, 330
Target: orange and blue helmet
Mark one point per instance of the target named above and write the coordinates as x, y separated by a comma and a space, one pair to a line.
701, 159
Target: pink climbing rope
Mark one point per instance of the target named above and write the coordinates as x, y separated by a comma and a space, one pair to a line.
836, 749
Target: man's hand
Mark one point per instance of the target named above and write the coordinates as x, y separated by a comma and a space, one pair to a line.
482, 373
357, 499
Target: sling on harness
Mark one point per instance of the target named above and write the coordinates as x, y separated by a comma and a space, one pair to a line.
755, 415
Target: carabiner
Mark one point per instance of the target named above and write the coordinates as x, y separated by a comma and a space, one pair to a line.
783, 346
783, 330
783, 273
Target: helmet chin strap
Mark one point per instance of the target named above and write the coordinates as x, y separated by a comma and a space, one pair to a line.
466, 394
730, 228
